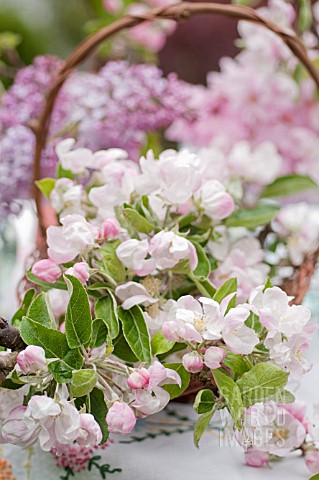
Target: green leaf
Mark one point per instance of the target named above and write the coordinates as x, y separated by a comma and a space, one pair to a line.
160, 344
99, 333
61, 372
83, 382
283, 396
111, 265
62, 173
288, 185
143, 207
202, 270
106, 309
253, 217
24, 307
305, 15
122, 350
236, 363
254, 323
176, 348
60, 285
315, 477
99, 411
40, 311
52, 341
139, 223
174, 390
230, 286
268, 284
46, 185
204, 401
78, 321
261, 383
136, 332
201, 425
231, 393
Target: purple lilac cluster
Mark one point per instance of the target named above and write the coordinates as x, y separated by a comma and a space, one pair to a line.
116, 107
19, 106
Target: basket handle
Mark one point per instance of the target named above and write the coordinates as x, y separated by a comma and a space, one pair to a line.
180, 11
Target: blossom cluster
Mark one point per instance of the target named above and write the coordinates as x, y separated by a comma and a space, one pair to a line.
272, 430
154, 273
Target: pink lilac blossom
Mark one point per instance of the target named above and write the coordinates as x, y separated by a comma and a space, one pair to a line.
255, 98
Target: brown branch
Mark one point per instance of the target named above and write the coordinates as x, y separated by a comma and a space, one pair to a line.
7, 364
10, 337
298, 285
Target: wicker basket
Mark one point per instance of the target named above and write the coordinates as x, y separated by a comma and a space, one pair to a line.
299, 283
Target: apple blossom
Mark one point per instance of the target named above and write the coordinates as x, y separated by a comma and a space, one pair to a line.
59, 422
133, 293
76, 236
116, 180
167, 249
79, 270
175, 176
242, 259
214, 199
16, 431
132, 253
66, 197
192, 320
90, 433
75, 160
277, 315
298, 224
110, 229
153, 398
237, 336
247, 163
270, 428
213, 357
46, 270
32, 360
192, 362
120, 418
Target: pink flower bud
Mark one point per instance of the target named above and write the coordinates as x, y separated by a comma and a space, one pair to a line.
15, 430
192, 362
79, 270
120, 418
139, 379
110, 229
46, 270
312, 460
256, 458
32, 360
214, 356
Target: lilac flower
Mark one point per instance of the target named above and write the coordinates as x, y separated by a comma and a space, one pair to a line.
116, 107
